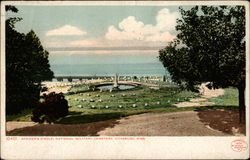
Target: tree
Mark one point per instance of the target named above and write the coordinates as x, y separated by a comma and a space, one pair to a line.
52, 108
210, 47
27, 66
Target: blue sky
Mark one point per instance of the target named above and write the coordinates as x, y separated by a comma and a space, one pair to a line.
132, 34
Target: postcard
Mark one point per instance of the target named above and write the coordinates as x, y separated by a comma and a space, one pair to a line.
125, 80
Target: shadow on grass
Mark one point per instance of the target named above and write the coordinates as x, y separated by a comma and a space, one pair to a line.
222, 118
79, 117
24, 115
76, 118
76, 92
214, 107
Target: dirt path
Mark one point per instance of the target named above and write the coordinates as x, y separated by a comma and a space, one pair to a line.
205, 94
163, 124
189, 123
85, 129
15, 125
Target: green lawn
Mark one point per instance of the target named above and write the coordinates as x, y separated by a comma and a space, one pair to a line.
89, 106
25, 115
139, 98
229, 98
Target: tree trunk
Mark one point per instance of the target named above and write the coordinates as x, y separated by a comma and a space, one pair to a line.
242, 106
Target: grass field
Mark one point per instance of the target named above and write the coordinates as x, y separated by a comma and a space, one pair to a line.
90, 106
95, 105
229, 98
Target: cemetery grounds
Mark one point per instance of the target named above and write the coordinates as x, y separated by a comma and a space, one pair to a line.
95, 112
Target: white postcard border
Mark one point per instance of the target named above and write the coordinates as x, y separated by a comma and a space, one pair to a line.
150, 148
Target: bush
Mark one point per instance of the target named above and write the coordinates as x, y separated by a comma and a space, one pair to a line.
52, 108
44, 89
135, 77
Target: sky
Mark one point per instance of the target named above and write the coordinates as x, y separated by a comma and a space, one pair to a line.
100, 34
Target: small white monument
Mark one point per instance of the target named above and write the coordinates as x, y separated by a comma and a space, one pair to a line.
116, 85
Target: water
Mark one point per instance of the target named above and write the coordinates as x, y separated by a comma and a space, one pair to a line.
140, 69
121, 87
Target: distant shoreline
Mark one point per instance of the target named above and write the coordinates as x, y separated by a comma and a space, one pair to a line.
140, 69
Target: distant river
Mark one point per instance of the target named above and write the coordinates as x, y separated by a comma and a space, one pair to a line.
140, 69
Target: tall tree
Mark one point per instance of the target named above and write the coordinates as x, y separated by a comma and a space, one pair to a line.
27, 66
210, 47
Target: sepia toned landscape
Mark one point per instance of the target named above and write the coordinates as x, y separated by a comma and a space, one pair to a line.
147, 71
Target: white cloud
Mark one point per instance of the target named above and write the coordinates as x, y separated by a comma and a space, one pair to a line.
95, 43
130, 32
160, 37
84, 43
55, 44
114, 34
166, 20
66, 30
132, 29
107, 52
150, 41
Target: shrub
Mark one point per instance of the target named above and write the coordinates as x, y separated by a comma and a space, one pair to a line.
135, 77
52, 108
43, 89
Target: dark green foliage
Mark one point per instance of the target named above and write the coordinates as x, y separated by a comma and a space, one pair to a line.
43, 89
11, 8
54, 106
210, 47
26, 66
164, 78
